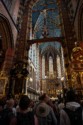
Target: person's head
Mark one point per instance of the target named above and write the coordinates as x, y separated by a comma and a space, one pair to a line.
44, 97
42, 110
70, 95
10, 103
24, 102
50, 103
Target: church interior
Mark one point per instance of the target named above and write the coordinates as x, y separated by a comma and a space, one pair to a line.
41, 47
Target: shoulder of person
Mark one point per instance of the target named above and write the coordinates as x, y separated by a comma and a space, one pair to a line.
62, 112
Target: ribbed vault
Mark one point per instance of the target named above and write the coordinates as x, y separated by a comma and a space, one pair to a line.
50, 51
44, 25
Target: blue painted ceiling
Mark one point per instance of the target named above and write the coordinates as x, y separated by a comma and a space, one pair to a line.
45, 15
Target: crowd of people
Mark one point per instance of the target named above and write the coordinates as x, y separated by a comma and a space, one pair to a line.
42, 112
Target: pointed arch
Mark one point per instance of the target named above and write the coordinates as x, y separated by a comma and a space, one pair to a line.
6, 32
6, 44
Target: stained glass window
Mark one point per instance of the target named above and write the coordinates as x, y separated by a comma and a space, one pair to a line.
50, 65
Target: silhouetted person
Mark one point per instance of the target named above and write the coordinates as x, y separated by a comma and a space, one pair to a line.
72, 113
25, 116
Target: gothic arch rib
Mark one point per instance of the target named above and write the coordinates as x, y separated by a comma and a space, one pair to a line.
50, 50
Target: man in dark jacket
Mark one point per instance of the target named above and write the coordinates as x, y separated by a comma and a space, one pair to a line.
25, 116
72, 113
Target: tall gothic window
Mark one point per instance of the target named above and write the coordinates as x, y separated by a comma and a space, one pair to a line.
50, 65
58, 66
43, 67
62, 63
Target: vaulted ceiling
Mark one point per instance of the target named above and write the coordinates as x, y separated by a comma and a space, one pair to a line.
46, 23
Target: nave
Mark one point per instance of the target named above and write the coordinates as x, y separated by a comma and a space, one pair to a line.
41, 48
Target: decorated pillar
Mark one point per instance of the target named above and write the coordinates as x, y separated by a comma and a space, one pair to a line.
69, 34
22, 36
22, 49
